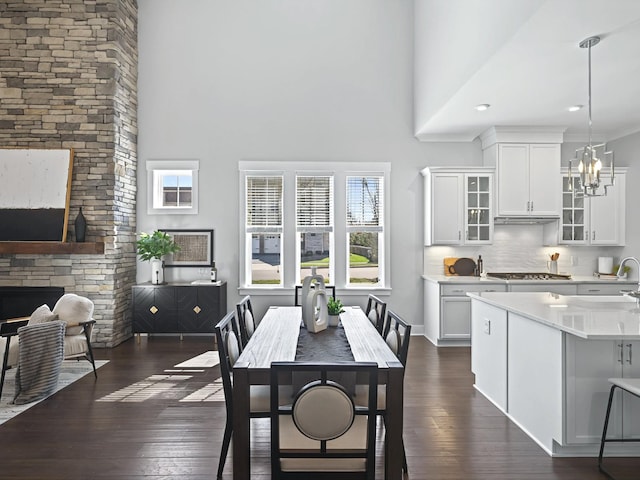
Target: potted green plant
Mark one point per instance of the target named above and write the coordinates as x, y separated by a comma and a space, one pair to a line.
334, 308
151, 248
626, 269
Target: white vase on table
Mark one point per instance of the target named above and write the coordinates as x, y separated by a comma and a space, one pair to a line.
314, 311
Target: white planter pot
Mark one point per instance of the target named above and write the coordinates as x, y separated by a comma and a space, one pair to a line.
157, 272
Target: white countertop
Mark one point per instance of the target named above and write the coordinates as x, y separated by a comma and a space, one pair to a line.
586, 316
574, 280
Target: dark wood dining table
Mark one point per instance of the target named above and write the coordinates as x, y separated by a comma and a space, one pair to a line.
276, 339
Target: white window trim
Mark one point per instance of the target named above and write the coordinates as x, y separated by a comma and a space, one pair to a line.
245, 239
170, 165
289, 170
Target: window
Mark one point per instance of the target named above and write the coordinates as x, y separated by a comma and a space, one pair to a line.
314, 226
172, 186
364, 227
299, 215
263, 229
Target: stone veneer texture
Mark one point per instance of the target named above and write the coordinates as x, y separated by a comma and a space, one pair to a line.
68, 79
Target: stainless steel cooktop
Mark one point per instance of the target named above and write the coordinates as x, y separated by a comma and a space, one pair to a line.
528, 276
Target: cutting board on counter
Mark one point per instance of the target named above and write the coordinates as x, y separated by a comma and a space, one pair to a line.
462, 266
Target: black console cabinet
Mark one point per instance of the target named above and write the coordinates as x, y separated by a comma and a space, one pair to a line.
178, 308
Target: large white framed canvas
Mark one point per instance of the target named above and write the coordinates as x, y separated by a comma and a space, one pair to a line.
35, 187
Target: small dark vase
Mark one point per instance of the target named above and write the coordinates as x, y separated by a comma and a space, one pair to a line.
81, 227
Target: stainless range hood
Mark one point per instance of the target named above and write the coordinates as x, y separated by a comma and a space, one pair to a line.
523, 220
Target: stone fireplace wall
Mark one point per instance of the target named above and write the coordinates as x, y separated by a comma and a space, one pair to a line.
68, 79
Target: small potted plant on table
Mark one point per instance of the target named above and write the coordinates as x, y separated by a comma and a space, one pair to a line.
334, 308
152, 247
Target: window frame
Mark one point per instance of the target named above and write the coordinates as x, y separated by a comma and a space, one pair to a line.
368, 228
317, 229
247, 231
289, 237
167, 167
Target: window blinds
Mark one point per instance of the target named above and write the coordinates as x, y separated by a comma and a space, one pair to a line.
364, 202
314, 203
264, 203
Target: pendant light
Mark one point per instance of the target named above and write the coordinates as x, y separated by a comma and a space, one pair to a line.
590, 158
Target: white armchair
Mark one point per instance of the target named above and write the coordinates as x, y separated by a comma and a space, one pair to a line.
74, 310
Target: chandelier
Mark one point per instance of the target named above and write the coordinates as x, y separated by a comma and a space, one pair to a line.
591, 157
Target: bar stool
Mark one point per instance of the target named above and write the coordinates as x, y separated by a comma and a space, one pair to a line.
629, 385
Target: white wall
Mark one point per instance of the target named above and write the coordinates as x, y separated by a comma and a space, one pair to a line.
326, 80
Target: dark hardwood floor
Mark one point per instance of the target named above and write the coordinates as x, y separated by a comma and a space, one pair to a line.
140, 420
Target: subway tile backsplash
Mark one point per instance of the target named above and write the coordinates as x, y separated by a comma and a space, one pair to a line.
519, 248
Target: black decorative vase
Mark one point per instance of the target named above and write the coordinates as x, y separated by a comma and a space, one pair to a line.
81, 226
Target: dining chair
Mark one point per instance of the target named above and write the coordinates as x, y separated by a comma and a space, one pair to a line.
397, 334
322, 433
375, 311
246, 319
229, 349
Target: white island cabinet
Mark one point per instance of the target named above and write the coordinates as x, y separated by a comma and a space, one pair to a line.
544, 360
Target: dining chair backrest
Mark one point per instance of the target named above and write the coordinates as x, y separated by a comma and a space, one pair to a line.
397, 334
246, 319
375, 311
229, 349
323, 431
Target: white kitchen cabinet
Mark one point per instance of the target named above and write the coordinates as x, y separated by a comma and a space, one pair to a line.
458, 206
612, 288
448, 311
527, 178
593, 220
546, 286
588, 366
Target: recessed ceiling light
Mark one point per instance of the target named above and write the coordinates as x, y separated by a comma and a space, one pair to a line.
575, 108
482, 107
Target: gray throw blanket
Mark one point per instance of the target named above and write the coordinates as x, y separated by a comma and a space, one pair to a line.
41, 355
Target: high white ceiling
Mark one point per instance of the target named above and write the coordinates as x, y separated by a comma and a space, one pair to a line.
522, 57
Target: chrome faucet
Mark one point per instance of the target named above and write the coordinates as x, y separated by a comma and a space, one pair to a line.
620, 271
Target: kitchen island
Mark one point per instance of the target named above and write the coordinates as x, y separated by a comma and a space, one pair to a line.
544, 359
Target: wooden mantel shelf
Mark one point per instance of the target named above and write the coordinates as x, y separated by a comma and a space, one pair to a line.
47, 248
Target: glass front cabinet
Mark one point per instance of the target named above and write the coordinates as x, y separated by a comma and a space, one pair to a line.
458, 205
574, 227
593, 220
478, 208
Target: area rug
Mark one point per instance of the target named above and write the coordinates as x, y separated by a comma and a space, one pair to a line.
71, 371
